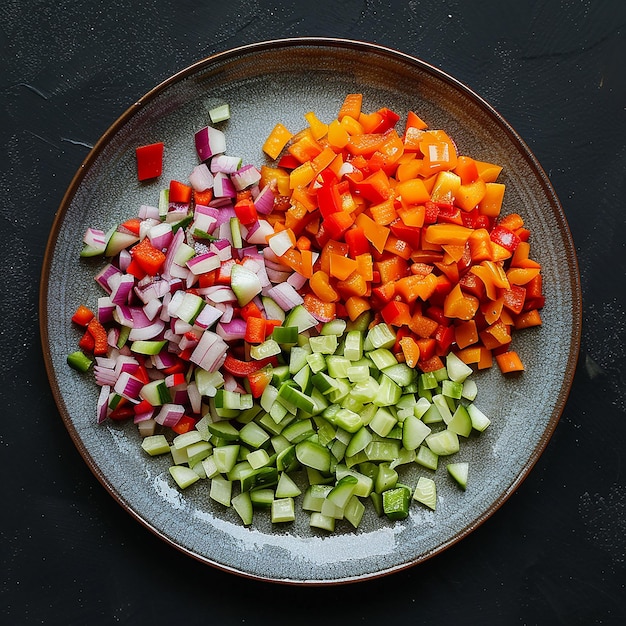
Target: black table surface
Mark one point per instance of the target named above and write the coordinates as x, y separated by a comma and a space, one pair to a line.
555, 553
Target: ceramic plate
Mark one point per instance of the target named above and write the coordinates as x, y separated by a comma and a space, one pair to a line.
280, 81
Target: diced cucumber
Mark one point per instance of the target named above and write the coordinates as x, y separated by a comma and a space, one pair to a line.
286, 487
461, 422
183, 475
253, 435
426, 492
301, 318
283, 510
386, 478
221, 490
381, 336
342, 491
323, 344
186, 439
459, 471
198, 451
323, 522
262, 498
457, 370
155, 445
443, 443
225, 457
426, 458
396, 502
382, 422
313, 455
224, 430
353, 511
480, 421
243, 505
414, 431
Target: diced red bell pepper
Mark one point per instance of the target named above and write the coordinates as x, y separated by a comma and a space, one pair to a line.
240, 368
431, 212
149, 258
99, 334
444, 336
259, 380
410, 234
246, 212
179, 192
149, 161
255, 329
184, 425
504, 237
357, 241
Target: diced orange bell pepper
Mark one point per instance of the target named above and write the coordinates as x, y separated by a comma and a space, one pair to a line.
376, 233
320, 284
460, 305
410, 350
509, 362
466, 333
276, 141
356, 305
491, 204
320, 310
351, 106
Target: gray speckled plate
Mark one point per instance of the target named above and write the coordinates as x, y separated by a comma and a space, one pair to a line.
280, 81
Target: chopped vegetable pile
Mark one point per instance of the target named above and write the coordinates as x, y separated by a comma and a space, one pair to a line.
308, 329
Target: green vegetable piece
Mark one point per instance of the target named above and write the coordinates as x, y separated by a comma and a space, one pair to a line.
459, 471
396, 502
79, 361
426, 492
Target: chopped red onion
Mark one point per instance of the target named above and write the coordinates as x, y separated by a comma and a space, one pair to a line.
210, 352
105, 274
246, 176
296, 280
102, 405
160, 235
169, 414
202, 263
264, 201
128, 386
233, 330
208, 316
285, 296
147, 332
223, 186
105, 310
225, 164
209, 141
201, 178
149, 212
95, 238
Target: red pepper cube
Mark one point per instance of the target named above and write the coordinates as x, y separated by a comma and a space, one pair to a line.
149, 161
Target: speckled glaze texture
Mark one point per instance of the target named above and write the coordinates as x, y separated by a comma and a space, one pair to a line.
280, 81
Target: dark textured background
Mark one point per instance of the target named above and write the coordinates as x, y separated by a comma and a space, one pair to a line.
555, 553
